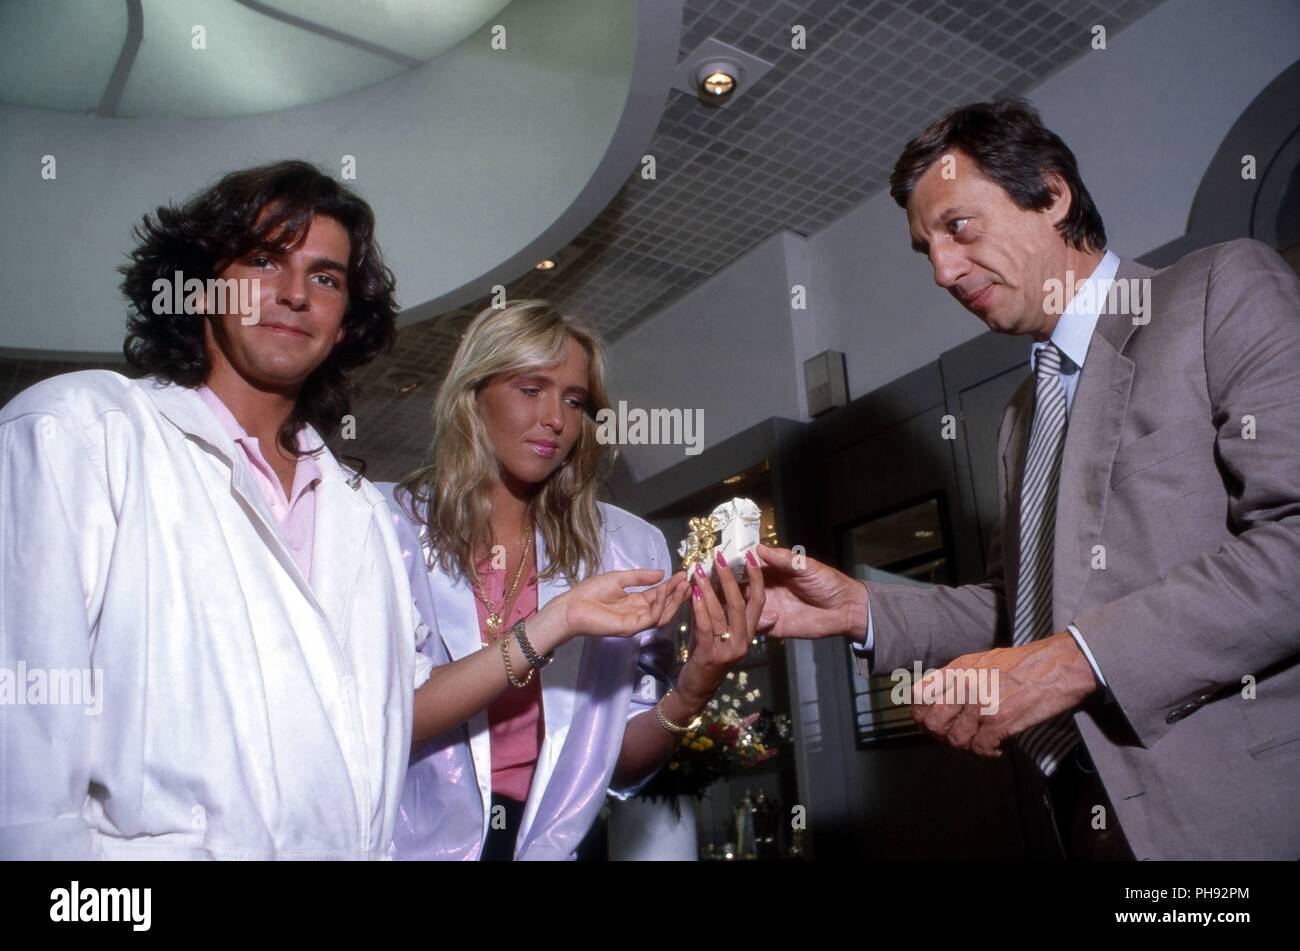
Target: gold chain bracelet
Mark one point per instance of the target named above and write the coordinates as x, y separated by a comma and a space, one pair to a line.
510, 671
669, 725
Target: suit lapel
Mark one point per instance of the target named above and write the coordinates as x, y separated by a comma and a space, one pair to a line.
1013, 470
1092, 436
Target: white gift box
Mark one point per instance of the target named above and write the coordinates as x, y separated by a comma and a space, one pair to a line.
737, 525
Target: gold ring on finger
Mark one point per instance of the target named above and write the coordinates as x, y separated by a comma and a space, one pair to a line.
724, 636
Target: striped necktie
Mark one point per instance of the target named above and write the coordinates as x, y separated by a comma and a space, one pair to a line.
1045, 743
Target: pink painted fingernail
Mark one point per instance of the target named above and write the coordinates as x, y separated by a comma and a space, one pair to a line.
722, 561
749, 557
699, 569
695, 590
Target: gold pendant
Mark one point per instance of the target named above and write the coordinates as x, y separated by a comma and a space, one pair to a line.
493, 622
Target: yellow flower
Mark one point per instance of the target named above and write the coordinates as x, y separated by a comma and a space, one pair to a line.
674, 765
705, 743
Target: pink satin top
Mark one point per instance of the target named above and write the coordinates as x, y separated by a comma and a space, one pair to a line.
515, 719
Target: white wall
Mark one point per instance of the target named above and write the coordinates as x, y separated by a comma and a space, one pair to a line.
727, 348
1145, 117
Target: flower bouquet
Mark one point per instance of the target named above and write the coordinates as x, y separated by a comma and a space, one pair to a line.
732, 736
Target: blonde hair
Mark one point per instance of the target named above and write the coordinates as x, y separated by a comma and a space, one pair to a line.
451, 494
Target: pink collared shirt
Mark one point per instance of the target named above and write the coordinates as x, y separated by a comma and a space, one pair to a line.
295, 514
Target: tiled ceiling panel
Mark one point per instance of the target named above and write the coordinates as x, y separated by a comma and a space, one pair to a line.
817, 136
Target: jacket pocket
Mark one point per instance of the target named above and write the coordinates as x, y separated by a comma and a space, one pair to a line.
1160, 446
1278, 746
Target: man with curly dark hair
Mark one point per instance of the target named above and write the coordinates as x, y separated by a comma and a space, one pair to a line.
184, 548
234, 231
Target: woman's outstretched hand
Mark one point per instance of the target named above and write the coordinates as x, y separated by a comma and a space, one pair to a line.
723, 631
601, 606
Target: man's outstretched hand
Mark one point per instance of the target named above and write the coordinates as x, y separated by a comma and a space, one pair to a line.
806, 598
1034, 682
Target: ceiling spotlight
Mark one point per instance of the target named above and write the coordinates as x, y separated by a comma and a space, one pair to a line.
402, 382
718, 74
717, 80
557, 262
718, 83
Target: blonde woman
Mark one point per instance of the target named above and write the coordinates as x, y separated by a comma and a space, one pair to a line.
533, 709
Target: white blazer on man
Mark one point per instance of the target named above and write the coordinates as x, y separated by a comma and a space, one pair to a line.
240, 709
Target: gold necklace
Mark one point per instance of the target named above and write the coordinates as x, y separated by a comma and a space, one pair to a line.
494, 618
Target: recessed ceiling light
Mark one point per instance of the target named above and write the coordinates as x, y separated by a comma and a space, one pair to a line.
719, 82
557, 262
404, 384
717, 73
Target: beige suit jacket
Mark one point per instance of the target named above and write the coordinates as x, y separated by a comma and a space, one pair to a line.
1177, 555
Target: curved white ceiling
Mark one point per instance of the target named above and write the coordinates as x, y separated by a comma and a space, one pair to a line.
206, 59
478, 163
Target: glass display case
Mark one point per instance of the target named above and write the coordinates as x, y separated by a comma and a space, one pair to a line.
906, 545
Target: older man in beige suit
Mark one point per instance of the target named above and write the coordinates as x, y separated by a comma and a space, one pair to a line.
1142, 609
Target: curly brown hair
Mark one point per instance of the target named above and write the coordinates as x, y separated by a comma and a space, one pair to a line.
270, 206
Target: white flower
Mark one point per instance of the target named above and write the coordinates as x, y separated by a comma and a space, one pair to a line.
736, 702
726, 698
732, 676
749, 697
744, 678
